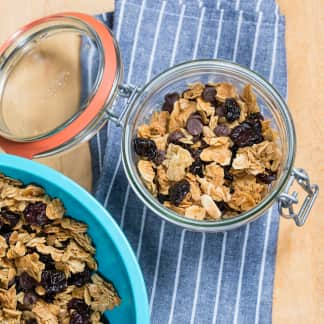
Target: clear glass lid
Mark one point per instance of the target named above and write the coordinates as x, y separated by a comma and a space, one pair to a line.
51, 72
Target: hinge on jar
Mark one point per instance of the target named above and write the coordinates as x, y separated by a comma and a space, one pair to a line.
129, 93
287, 201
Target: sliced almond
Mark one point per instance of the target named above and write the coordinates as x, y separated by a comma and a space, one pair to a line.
210, 207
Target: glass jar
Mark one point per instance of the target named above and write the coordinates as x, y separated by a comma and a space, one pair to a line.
272, 106
36, 46
52, 55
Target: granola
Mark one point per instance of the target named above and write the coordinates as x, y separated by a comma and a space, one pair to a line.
47, 265
209, 153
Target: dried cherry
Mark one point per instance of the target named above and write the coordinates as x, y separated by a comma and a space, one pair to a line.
35, 214
178, 191
145, 147
232, 110
247, 134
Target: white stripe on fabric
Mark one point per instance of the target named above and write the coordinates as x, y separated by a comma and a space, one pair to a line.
120, 19
258, 5
274, 50
219, 279
219, 32
106, 17
122, 217
218, 4
237, 5
220, 272
129, 77
201, 258
137, 30
156, 37
201, 20
112, 181
176, 282
99, 151
269, 217
176, 41
148, 77
255, 44
157, 265
247, 229
237, 38
264, 255
139, 246
239, 286
194, 56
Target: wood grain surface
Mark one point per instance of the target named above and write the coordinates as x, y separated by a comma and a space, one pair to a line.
299, 277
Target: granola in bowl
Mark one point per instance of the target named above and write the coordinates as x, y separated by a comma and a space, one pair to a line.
48, 271
209, 153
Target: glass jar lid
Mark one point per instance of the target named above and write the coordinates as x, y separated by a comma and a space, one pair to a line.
58, 74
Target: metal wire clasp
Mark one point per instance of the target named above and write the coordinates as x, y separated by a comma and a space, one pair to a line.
287, 201
129, 93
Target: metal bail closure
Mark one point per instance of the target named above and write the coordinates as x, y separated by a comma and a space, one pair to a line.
32, 53
128, 94
287, 201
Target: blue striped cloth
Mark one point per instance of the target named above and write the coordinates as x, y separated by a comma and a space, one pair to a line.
194, 277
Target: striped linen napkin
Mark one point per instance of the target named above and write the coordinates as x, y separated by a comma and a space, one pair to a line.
194, 277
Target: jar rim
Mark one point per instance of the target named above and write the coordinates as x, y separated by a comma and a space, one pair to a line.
244, 217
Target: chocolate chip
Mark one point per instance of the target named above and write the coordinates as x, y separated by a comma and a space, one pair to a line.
26, 282
175, 136
209, 94
196, 138
31, 321
159, 157
267, 177
194, 125
222, 130
162, 198
30, 298
169, 101
219, 111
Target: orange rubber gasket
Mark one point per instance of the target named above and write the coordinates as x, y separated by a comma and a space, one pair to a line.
30, 149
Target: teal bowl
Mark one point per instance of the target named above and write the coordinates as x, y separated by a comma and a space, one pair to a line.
115, 257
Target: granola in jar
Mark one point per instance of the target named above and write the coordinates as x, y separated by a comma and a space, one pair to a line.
209, 153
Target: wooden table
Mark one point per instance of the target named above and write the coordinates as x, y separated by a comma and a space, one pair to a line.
299, 280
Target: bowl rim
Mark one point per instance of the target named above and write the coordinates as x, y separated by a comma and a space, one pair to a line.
109, 225
209, 226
